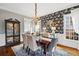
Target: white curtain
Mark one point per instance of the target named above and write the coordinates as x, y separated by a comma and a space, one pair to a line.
75, 19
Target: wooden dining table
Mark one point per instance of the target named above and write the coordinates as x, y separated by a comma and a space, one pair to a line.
44, 42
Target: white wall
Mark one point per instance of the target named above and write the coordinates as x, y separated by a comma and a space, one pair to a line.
68, 42
6, 15
2, 39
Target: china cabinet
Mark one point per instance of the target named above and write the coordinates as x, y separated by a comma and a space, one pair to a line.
12, 32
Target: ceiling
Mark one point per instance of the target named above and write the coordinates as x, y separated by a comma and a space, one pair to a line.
28, 9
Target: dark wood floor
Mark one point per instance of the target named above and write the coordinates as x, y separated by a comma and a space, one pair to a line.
7, 51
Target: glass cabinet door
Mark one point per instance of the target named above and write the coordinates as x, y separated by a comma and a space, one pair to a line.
12, 32
16, 29
9, 29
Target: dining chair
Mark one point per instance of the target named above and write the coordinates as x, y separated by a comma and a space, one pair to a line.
32, 44
25, 43
51, 47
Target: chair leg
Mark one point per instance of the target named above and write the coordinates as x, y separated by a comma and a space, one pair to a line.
28, 51
23, 46
45, 50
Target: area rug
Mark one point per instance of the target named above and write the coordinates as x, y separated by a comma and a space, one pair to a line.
19, 51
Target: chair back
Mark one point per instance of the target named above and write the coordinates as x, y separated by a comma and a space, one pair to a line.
24, 40
32, 43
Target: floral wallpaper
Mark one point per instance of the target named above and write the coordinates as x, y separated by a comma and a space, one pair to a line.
55, 20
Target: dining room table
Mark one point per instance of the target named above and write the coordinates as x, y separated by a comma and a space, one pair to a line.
44, 42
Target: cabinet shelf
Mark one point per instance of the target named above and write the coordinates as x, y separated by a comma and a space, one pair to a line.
13, 35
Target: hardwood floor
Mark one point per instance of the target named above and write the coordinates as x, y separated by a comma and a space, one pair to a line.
7, 51
72, 51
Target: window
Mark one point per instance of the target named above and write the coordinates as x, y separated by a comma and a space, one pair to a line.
69, 29
27, 24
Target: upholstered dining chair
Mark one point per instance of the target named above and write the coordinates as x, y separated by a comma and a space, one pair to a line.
32, 44
25, 43
51, 47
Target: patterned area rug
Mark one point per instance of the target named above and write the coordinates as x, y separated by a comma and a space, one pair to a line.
19, 51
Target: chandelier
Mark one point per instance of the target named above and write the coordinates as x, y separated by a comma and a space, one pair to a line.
35, 18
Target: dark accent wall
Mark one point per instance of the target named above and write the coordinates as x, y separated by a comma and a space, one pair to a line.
55, 19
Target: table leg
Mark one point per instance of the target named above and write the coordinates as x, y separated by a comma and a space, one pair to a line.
45, 50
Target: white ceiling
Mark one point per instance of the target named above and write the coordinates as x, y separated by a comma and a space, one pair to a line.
27, 9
